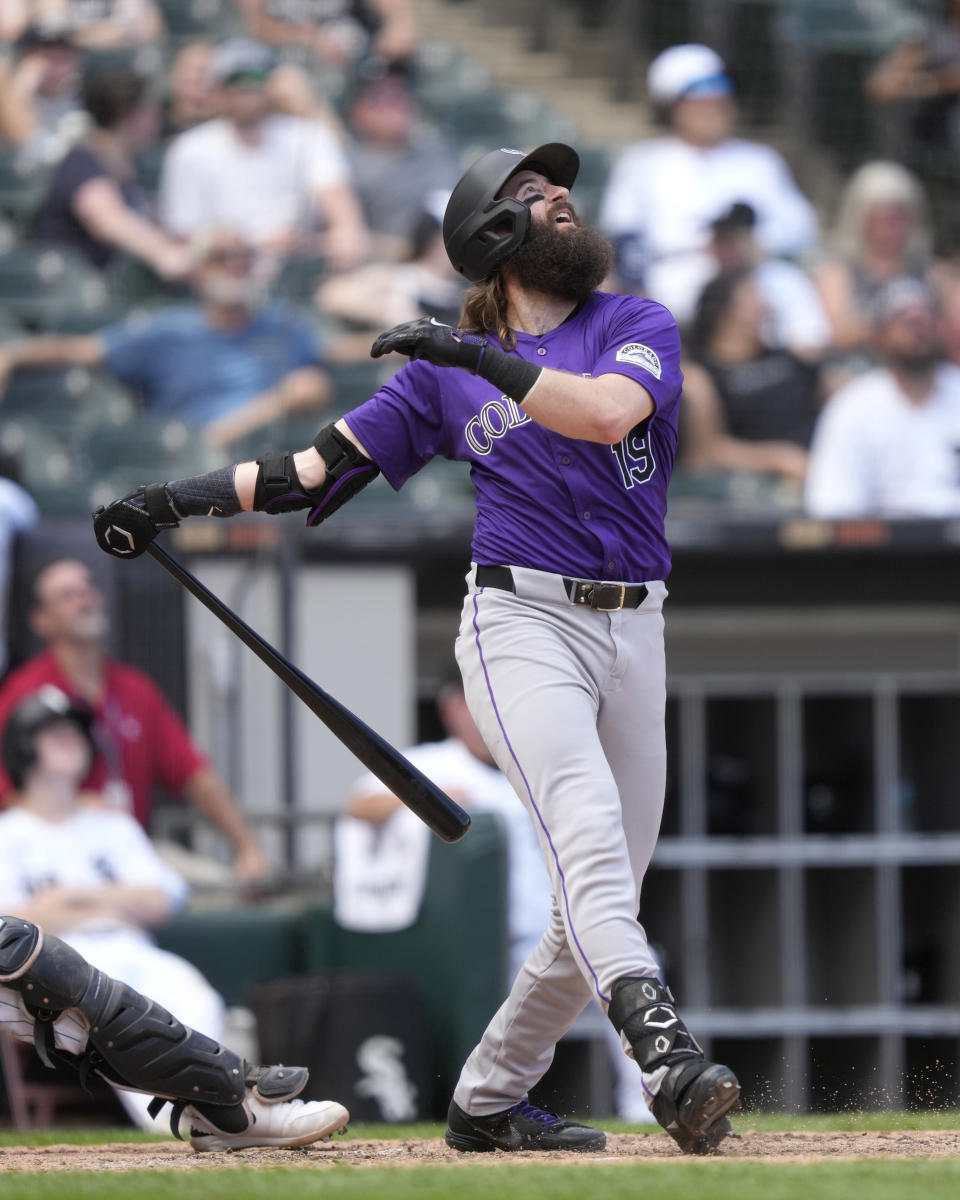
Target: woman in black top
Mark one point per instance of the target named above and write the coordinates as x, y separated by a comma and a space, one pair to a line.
747, 406
95, 204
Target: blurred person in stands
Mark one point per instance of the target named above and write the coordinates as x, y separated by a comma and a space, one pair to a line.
664, 193
191, 96
881, 233
917, 85
887, 444
797, 320
14, 19
18, 512
95, 204
948, 294
277, 179
86, 872
396, 157
104, 24
379, 295
140, 742
334, 32
41, 114
381, 849
227, 364
748, 407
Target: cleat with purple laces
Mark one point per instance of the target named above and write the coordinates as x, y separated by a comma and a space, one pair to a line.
522, 1127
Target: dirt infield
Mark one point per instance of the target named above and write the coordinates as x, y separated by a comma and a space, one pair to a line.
771, 1147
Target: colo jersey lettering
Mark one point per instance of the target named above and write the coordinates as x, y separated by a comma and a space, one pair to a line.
544, 501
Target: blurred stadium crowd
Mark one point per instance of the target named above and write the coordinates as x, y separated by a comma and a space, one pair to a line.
208, 206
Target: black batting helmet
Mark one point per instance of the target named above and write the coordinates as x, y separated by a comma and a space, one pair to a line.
480, 231
34, 713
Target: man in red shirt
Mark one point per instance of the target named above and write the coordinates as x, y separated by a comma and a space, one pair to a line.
141, 740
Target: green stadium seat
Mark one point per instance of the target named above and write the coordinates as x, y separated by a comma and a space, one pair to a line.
299, 277
442, 486
444, 73
10, 327
68, 400
149, 164
132, 284
200, 18
121, 457
481, 118
595, 163
22, 187
50, 288
148, 61
49, 468
355, 382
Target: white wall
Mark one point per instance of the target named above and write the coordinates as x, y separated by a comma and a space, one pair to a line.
353, 631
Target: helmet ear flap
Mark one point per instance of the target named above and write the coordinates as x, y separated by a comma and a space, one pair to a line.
503, 229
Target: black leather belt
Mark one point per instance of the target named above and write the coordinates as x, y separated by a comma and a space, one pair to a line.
593, 593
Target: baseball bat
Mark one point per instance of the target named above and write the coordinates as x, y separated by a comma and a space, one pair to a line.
434, 807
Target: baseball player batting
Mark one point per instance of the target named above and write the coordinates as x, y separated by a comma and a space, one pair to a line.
564, 401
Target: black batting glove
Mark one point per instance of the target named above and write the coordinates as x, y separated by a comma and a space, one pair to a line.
431, 340
126, 527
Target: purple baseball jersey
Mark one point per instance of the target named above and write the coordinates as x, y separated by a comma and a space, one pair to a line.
544, 501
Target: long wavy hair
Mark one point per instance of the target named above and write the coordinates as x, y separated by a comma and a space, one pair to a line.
485, 311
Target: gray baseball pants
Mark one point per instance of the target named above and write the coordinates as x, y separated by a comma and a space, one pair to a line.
570, 702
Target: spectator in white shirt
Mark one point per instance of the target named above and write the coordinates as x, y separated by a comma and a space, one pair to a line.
663, 194
87, 872
276, 179
888, 443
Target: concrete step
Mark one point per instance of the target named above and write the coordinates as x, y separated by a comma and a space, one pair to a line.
575, 82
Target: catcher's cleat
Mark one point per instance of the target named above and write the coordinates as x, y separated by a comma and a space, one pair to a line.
285, 1125
692, 1104
522, 1127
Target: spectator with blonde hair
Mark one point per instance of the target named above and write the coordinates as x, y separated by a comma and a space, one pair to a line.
882, 232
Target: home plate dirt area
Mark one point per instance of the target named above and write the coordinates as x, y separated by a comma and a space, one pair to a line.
778, 1147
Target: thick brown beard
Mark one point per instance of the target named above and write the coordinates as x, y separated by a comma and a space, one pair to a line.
560, 262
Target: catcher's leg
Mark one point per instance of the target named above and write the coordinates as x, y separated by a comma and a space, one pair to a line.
134, 1043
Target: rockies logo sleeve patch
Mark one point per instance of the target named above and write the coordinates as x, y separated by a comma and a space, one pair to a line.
640, 356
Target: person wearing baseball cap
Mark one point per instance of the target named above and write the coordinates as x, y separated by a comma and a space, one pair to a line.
274, 178
664, 193
686, 71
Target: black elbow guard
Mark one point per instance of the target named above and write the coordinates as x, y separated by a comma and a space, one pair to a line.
279, 489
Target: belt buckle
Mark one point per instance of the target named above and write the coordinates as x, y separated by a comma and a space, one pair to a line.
621, 590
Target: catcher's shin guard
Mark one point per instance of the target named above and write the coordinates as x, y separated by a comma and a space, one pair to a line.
132, 1041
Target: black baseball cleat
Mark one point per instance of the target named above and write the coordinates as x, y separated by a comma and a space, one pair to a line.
692, 1104
522, 1127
